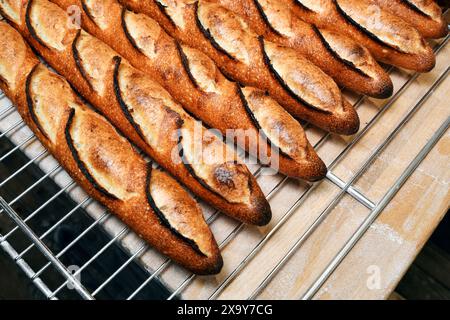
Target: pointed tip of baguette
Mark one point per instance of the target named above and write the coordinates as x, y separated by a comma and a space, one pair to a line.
264, 212
386, 90
317, 170
347, 124
215, 267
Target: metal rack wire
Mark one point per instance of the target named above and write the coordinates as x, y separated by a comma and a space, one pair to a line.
54, 259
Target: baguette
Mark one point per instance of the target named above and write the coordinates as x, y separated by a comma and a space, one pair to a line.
390, 39
143, 111
424, 15
350, 64
298, 85
193, 79
103, 162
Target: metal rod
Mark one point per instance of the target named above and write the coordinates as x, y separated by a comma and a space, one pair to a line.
330, 207
6, 246
122, 232
152, 276
17, 147
126, 263
15, 126
23, 167
54, 226
355, 193
71, 183
376, 212
26, 191
7, 111
74, 241
43, 248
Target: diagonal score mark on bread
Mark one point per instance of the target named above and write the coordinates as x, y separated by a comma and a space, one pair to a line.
281, 129
426, 8
108, 158
202, 71
47, 26
96, 13
395, 33
230, 33
309, 85
314, 5
179, 215
142, 32
10, 9
174, 10
94, 59
45, 109
356, 57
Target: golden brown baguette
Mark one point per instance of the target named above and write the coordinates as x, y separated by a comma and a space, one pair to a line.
350, 64
143, 111
103, 162
193, 79
297, 84
389, 38
424, 15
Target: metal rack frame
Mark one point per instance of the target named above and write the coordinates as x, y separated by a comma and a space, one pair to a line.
345, 188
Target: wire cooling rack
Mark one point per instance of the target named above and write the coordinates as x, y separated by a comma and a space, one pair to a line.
51, 218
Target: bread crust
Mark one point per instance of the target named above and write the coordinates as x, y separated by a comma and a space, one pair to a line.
347, 62
192, 78
424, 15
103, 162
242, 55
144, 112
390, 39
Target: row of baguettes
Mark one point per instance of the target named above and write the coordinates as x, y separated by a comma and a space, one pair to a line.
388, 37
142, 110
193, 79
103, 162
346, 61
242, 55
333, 40
424, 15
339, 28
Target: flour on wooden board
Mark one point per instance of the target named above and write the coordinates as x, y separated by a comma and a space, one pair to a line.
387, 232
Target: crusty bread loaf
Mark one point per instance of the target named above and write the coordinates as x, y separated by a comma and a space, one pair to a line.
143, 111
193, 80
350, 64
424, 15
103, 162
297, 84
389, 38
